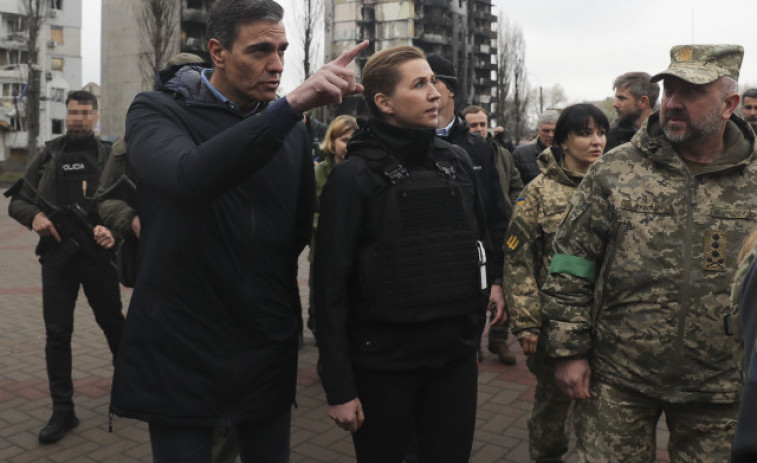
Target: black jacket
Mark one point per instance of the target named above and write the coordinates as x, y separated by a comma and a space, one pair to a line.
226, 204
619, 134
347, 223
497, 213
525, 160
44, 173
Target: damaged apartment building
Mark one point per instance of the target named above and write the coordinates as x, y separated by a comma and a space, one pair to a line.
59, 60
463, 31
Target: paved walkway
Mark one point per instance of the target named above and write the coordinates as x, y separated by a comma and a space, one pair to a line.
505, 393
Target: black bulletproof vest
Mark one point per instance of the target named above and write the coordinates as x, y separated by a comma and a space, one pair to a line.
425, 263
76, 165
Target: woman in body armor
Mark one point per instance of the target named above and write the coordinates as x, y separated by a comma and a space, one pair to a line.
399, 274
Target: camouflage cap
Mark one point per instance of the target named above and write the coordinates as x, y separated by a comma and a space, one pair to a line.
702, 64
184, 58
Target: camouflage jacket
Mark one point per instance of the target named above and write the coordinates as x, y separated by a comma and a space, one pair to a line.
528, 246
116, 212
644, 260
509, 177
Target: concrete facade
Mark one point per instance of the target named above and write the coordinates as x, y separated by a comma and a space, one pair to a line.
460, 30
121, 77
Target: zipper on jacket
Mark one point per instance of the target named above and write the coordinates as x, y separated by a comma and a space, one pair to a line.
691, 201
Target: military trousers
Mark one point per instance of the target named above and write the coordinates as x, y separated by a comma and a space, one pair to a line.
619, 425
551, 415
60, 289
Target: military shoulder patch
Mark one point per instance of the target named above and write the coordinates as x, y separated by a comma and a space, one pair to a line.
520, 201
515, 237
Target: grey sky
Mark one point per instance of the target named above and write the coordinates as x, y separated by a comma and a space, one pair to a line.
580, 44
90, 43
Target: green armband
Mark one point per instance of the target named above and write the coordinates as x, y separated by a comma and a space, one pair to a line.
572, 265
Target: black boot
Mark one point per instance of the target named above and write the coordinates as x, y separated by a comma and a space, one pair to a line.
56, 428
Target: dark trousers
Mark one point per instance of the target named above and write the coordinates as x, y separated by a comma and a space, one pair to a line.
60, 289
264, 441
440, 403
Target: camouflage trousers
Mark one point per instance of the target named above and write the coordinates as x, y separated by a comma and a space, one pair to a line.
549, 423
618, 425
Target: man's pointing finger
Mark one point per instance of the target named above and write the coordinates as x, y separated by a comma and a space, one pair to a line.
346, 58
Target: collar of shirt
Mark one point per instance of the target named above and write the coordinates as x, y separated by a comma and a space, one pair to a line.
205, 76
443, 132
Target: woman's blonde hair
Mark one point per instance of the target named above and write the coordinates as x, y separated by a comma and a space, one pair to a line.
337, 128
380, 72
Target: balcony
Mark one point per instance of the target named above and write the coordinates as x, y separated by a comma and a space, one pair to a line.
432, 38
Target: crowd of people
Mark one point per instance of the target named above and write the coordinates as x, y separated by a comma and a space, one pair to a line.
609, 251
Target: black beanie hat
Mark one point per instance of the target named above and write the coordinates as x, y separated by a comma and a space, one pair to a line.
444, 70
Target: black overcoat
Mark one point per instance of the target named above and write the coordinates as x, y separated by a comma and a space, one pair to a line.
226, 203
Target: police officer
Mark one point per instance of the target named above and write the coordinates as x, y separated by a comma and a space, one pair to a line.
642, 272
66, 174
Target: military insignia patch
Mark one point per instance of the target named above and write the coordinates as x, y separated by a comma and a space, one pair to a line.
715, 251
520, 201
514, 238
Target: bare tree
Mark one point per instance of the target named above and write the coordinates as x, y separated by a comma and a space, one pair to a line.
504, 73
307, 26
158, 22
34, 14
520, 83
307, 34
512, 83
606, 107
547, 98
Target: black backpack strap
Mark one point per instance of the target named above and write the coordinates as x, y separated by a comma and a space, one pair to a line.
384, 164
445, 157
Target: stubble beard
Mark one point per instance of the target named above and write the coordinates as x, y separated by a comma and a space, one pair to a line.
708, 126
78, 134
629, 118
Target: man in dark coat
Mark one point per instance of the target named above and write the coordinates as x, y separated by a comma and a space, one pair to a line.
225, 202
525, 155
635, 99
454, 129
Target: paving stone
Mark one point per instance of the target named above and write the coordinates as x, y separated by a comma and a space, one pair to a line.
505, 392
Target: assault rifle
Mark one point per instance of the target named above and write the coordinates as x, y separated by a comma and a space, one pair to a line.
71, 222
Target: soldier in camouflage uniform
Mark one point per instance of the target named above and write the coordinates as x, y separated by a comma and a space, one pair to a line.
643, 263
528, 253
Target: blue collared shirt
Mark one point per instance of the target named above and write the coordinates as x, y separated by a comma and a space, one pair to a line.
283, 116
205, 76
443, 132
